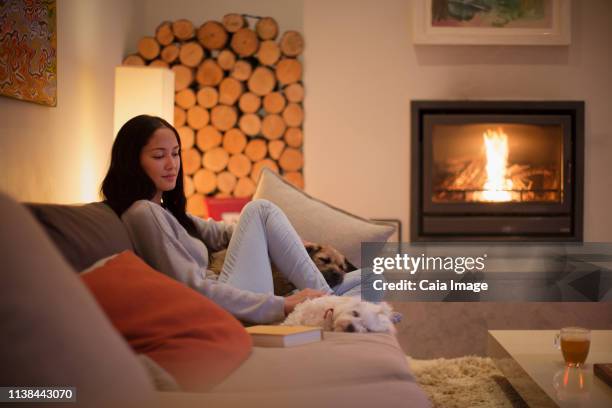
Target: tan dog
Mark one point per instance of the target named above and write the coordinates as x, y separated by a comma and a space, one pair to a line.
332, 264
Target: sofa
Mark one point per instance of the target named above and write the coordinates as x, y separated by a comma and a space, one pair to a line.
56, 334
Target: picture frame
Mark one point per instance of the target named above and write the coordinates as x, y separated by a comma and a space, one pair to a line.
28, 51
480, 22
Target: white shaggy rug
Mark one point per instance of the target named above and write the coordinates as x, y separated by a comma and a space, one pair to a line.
465, 382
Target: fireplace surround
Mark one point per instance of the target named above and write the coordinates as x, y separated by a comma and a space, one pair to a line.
497, 170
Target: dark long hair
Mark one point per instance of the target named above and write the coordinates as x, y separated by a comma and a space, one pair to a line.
126, 181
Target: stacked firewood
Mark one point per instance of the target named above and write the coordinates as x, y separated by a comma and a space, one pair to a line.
238, 101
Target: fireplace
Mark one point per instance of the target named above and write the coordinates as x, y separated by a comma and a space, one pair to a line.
497, 170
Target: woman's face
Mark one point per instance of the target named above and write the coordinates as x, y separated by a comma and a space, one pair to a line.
160, 159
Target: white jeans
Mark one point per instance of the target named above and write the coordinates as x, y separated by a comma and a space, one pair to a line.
264, 233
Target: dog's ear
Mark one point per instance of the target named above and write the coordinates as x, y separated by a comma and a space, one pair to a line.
328, 320
349, 266
385, 309
381, 322
311, 247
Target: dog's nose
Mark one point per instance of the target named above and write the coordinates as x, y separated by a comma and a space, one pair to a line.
350, 328
332, 277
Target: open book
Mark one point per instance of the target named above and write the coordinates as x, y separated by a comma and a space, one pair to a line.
283, 336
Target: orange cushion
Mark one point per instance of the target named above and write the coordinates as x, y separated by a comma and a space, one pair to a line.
188, 335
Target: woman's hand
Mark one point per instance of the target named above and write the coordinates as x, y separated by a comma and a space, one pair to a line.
292, 301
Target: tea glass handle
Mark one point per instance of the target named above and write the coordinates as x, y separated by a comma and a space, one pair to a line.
557, 341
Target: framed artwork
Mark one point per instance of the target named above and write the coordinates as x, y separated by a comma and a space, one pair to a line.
28, 44
491, 22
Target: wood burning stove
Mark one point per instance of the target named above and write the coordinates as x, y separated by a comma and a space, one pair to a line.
497, 170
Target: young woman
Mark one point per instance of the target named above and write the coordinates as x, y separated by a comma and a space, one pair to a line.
144, 186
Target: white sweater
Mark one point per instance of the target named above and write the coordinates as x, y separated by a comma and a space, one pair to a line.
163, 243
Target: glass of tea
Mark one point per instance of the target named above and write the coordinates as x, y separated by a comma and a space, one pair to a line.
574, 343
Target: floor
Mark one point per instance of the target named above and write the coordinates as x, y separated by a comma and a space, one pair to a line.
453, 329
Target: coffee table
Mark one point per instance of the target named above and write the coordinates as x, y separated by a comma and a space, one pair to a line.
536, 370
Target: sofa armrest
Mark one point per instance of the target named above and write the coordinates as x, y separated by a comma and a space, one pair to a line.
54, 333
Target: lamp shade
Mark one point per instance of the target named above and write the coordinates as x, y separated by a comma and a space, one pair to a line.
143, 90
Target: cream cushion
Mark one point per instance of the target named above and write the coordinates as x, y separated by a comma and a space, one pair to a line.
319, 222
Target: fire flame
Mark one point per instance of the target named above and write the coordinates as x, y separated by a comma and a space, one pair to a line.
497, 185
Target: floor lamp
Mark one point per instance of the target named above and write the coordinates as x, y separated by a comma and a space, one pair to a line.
143, 90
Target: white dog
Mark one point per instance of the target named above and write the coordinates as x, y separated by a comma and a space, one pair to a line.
343, 314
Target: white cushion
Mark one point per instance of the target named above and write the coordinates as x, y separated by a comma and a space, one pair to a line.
319, 222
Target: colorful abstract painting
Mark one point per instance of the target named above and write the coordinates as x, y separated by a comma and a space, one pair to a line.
28, 43
492, 13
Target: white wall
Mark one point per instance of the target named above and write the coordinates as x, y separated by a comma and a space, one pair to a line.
60, 154
362, 71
